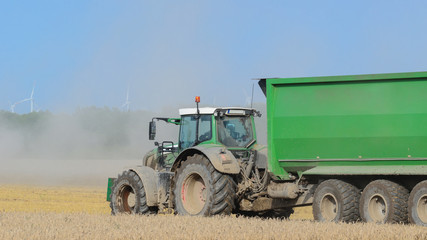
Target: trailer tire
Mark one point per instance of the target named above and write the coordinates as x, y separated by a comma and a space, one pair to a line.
417, 204
384, 201
201, 190
335, 201
128, 195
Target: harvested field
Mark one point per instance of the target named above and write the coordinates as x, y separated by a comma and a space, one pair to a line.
82, 213
99, 226
18, 198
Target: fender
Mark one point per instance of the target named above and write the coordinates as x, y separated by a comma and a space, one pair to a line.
156, 184
149, 180
221, 158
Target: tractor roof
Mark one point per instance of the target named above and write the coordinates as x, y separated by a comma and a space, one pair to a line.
210, 110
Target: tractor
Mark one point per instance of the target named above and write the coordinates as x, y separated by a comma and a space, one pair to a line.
215, 165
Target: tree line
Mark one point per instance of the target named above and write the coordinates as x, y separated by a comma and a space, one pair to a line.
90, 132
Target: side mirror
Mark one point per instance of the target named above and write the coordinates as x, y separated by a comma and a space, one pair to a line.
152, 130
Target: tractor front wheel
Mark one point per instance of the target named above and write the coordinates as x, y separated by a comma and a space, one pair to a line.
128, 195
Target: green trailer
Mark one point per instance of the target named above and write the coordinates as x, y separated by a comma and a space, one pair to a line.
361, 132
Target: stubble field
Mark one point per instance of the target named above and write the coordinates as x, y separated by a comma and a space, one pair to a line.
28, 212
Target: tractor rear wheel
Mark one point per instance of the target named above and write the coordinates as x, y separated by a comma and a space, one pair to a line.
128, 195
201, 190
417, 205
335, 201
384, 201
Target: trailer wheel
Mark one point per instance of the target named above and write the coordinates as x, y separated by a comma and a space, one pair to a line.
128, 195
336, 200
201, 190
383, 201
417, 204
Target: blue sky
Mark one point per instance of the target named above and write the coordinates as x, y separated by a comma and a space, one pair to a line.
86, 53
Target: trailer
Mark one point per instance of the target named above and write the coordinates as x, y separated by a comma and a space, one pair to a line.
361, 139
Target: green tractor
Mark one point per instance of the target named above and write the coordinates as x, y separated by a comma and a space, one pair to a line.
215, 165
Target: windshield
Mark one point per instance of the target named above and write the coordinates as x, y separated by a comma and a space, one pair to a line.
235, 131
187, 135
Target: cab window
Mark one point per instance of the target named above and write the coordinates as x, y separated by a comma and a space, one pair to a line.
187, 135
235, 131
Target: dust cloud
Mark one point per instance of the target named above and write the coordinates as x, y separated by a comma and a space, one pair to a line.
84, 147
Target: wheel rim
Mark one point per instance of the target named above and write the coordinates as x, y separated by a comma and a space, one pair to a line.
377, 208
126, 199
328, 207
193, 193
422, 208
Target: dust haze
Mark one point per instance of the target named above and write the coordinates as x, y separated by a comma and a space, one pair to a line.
84, 147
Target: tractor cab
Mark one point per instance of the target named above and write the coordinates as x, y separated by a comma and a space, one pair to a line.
230, 127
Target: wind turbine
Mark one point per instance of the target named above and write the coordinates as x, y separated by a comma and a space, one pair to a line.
127, 103
12, 107
31, 100
37, 107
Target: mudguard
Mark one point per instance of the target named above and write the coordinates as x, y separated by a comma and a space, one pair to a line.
221, 158
156, 184
149, 180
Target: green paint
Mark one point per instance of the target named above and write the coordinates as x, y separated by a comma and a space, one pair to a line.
360, 118
110, 184
176, 121
368, 170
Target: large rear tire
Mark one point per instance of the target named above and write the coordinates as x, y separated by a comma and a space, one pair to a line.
128, 195
201, 190
336, 201
384, 201
417, 204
